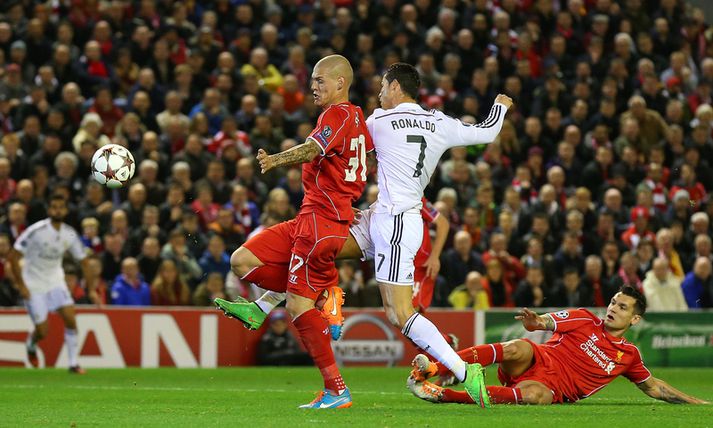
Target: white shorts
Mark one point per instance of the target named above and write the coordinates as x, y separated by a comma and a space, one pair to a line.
362, 236
396, 239
40, 304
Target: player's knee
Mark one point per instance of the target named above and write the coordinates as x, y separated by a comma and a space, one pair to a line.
296, 308
243, 261
535, 395
515, 350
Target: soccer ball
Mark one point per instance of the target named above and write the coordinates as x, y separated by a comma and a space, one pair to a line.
113, 165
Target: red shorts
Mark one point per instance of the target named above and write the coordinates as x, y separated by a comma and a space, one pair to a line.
543, 370
422, 289
308, 246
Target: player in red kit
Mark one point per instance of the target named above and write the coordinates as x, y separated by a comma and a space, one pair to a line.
333, 176
583, 356
428, 258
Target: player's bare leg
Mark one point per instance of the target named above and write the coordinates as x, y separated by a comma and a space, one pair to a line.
69, 317
243, 261
247, 266
39, 333
315, 336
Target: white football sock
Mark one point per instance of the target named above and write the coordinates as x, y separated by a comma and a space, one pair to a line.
427, 337
70, 339
269, 300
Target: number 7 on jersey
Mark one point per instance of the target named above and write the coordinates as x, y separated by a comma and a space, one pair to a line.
418, 139
359, 158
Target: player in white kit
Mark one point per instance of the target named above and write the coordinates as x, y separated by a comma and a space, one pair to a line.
41, 282
409, 142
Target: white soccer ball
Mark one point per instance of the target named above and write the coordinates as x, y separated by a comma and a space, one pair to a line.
113, 165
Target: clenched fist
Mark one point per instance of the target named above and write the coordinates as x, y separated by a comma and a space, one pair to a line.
504, 100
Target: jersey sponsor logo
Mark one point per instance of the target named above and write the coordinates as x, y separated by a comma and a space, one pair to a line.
327, 131
562, 314
599, 357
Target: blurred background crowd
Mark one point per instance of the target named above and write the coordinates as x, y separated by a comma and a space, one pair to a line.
601, 175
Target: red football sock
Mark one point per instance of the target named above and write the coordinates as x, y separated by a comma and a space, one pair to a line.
269, 277
453, 396
315, 336
498, 395
483, 354
504, 395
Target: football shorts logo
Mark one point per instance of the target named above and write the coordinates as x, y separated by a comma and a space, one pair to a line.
562, 314
327, 132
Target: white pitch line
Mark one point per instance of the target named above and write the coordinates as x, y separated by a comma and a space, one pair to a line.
177, 388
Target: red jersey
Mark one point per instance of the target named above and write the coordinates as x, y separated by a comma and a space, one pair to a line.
588, 357
334, 180
428, 214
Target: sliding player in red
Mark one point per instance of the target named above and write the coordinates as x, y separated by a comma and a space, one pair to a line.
583, 356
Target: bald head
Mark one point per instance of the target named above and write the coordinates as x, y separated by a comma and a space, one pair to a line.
336, 66
331, 79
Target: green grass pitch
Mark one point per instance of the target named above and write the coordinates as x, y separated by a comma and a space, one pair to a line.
262, 397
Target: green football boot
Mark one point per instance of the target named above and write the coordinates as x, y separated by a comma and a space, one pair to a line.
243, 310
475, 385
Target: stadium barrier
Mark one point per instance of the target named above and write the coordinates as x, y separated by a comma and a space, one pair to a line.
189, 337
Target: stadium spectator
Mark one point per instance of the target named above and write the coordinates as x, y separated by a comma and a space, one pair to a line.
697, 286
662, 289
278, 347
471, 295
150, 258
215, 258
167, 288
529, 292
459, 260
210, 289
129, 288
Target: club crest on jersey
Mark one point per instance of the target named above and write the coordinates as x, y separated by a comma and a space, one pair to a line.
327, 132
619, 355
562, 314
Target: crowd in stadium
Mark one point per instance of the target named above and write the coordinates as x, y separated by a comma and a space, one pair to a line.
600, 177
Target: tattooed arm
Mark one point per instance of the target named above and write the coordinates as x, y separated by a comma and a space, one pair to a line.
660, 390
298, 154
531, 321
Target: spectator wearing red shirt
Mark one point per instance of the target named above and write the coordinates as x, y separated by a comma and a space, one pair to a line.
639, 228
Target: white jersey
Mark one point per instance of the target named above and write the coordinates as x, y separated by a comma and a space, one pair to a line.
409, 142
43, 248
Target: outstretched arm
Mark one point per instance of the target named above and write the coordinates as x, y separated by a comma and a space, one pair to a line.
531, 321
298, 154
660, 390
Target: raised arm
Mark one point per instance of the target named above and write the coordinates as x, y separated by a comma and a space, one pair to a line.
486, 131
531, 321
660, 390
299, 154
